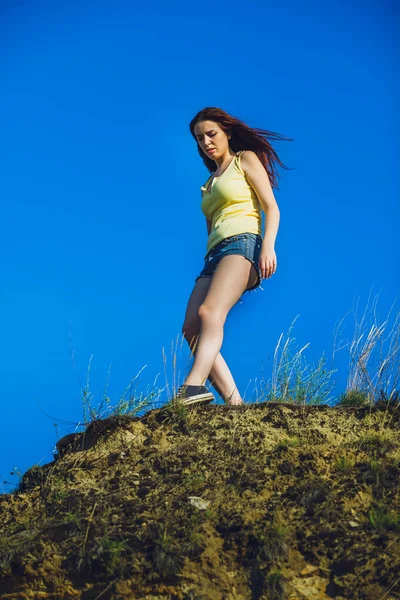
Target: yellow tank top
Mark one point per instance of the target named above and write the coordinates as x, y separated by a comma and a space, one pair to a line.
230, 204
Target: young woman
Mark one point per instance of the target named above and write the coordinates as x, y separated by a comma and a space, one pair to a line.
242, 163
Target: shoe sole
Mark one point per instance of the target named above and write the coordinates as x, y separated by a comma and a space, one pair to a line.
200, 398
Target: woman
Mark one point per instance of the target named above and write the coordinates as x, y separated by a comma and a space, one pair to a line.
243, 165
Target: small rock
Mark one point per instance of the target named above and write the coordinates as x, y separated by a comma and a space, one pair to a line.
308, 569
312, 588
199, 502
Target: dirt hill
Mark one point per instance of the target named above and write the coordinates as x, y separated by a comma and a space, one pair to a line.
264, 501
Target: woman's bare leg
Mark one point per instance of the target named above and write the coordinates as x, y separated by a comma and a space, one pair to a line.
230, 279
220, 377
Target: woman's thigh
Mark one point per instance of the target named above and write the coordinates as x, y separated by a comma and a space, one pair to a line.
229, 281
245, 244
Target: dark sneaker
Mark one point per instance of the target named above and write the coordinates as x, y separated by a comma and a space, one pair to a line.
193, 394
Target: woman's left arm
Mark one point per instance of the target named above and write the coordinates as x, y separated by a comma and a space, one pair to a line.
259, 181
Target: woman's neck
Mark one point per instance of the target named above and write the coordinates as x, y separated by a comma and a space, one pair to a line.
226, 161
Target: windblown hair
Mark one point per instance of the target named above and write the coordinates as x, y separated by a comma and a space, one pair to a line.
243, 137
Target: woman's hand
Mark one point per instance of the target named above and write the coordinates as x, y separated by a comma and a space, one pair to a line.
267, 262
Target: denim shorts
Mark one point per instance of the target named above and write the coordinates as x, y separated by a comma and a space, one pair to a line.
245, 244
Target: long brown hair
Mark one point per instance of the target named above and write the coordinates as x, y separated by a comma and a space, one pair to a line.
243, 137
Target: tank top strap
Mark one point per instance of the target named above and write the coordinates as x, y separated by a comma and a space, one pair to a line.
237, 159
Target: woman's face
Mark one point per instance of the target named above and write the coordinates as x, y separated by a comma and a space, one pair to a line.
211, 138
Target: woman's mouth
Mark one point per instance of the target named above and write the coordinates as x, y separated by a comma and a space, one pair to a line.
210, 151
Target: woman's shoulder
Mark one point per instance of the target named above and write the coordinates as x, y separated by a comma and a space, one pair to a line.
246, 153
248, 159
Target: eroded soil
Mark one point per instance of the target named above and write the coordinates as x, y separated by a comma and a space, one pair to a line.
264, 501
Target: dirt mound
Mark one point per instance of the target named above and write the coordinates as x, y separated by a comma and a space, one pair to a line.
262, 501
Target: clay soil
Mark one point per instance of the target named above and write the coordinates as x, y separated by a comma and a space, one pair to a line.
265, 501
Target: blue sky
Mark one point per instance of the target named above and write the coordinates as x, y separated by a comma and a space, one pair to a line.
102, 235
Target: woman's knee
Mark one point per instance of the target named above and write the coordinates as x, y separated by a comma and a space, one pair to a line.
208, 314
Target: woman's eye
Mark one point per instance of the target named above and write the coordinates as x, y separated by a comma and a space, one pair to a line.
200, 139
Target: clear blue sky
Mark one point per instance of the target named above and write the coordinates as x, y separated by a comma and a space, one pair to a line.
102, 235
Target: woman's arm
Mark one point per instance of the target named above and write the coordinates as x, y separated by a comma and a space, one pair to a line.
259, 181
